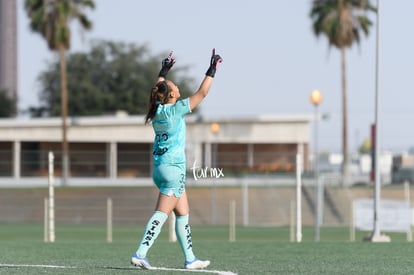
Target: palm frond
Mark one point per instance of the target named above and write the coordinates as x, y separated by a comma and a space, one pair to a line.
341, 21
50, 18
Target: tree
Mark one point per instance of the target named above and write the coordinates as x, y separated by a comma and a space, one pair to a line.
342, 22
51, 19
7, 105
111, 76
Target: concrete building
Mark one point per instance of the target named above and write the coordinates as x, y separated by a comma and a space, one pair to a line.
8, 47
114, 148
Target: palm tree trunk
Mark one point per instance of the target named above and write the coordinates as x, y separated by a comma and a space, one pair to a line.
64, 111
345, 163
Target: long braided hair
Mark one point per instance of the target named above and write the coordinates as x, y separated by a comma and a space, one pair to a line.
159, 95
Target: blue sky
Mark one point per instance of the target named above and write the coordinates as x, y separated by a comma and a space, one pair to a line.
272, 60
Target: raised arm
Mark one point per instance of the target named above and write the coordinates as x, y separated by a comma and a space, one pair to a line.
205, 86
166, 65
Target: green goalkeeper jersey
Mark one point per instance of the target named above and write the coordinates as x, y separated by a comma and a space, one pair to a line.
170, 132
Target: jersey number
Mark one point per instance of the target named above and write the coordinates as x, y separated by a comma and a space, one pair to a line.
160, 150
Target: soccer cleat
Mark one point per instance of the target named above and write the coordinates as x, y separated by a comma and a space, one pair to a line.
196, 264
140, 262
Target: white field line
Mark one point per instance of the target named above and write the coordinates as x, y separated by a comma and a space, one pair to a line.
219, 272
196, 270
36, 265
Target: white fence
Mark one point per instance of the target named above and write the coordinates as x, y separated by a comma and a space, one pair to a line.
394, 216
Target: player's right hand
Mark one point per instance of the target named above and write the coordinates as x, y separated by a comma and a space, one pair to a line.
214, 63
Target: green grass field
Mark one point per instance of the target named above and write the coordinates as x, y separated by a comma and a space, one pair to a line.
82, 249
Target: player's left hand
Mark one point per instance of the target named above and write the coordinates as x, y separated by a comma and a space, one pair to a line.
166, 65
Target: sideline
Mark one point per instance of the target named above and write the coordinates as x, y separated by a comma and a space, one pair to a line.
37, 265
219, 272
196, 270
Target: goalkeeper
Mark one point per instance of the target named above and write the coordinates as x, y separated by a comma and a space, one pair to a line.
166, 113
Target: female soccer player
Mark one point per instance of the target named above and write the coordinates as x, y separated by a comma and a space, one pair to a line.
166, 114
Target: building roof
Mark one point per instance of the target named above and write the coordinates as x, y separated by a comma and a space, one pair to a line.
131, 128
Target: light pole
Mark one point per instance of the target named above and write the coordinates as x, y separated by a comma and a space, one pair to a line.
214, 129
316, 99
376, 235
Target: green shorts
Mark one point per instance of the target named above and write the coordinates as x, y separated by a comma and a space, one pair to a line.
170, 179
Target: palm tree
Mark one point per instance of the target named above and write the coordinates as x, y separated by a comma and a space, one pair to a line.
342, 21
50, 18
